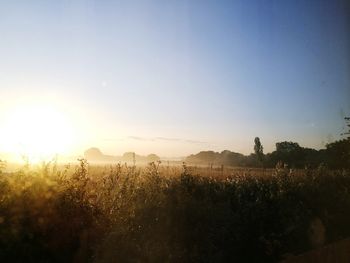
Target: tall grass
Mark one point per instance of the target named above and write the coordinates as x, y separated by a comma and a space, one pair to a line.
158, 213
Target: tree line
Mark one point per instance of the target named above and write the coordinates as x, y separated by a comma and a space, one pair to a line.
336, 155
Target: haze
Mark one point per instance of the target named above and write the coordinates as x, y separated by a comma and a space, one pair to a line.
178, 77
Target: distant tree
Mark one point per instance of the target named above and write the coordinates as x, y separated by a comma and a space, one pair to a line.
131, 157
287, 147
152, 158
258, 149
289, 153
93, 154
347, 133
338, 154
204, 157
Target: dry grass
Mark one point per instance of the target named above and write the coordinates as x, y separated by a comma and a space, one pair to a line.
161, 213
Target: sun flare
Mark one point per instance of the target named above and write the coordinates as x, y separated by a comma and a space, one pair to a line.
37, 131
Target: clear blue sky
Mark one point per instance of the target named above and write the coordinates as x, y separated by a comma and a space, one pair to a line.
176, 77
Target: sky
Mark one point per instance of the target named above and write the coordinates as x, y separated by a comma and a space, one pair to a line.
177, 77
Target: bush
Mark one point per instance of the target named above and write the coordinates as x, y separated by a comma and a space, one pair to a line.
132, 214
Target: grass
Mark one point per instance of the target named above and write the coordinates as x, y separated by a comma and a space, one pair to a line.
160, 213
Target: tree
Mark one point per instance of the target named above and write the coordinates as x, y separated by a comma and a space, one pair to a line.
258, 149
289, 153
153, 158
287, 147
93, 154
338, 154
347, 133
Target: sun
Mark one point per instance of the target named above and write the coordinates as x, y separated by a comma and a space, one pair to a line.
37, 131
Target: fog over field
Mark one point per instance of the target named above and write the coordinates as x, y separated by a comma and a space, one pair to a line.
174, 131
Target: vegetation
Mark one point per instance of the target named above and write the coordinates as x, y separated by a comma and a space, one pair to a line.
258, 149
335, 156
162, 213
95, 155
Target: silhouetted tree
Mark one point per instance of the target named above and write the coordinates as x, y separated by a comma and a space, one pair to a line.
287, 147
258, 149
338, 154
347, 133
289, 153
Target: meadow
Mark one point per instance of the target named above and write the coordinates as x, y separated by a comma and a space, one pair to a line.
163, 213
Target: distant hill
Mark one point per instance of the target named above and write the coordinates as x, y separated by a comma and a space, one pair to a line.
95, 155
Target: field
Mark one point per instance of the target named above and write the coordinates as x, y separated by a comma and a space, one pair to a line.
161, 213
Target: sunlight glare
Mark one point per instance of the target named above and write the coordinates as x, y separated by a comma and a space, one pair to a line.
37, 131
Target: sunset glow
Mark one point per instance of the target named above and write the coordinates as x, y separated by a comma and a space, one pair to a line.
36, 131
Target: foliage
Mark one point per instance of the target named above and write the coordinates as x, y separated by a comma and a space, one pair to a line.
338, 154
125, 213
258, 149
335, 156
347, 133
